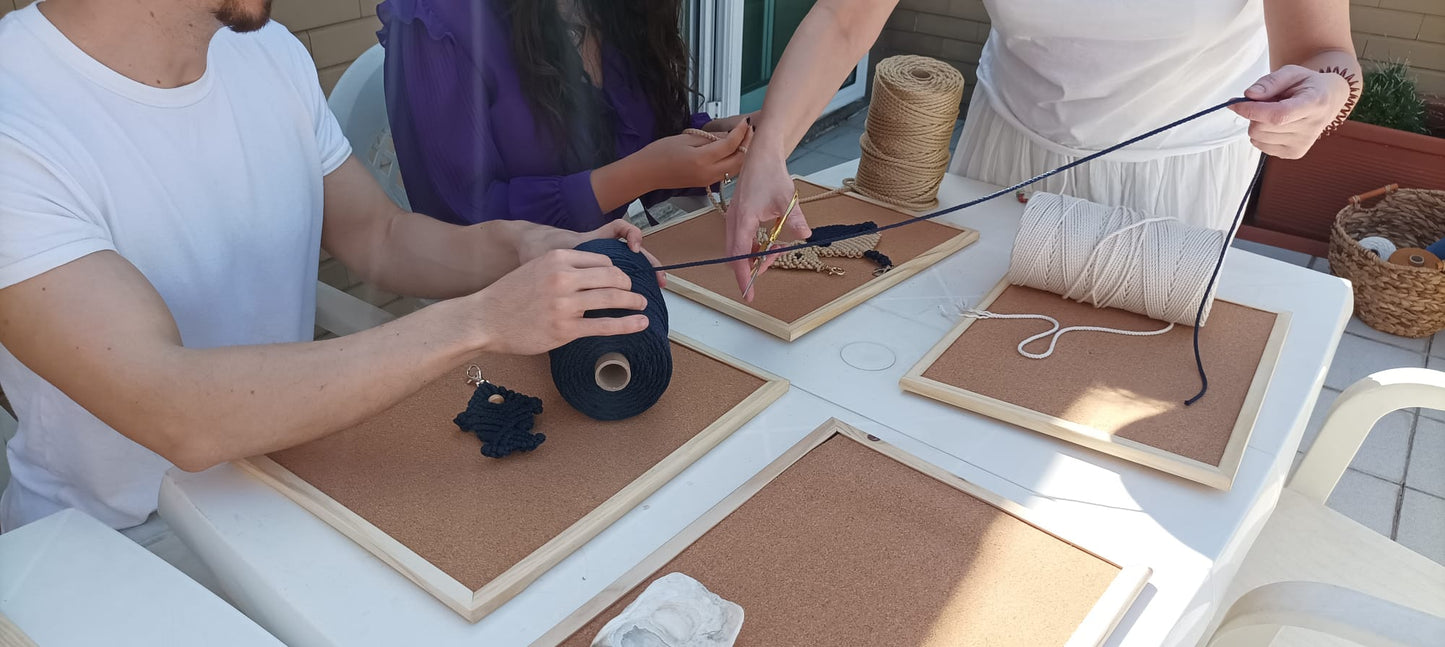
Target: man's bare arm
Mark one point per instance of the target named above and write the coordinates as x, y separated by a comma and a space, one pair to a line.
98, 331
415, 255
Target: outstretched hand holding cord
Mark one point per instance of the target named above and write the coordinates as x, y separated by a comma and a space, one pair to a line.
1313, 86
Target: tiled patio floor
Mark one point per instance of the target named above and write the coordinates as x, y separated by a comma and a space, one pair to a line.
1396, 484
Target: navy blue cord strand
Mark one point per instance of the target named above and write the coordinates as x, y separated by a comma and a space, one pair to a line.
819, 241
1209, 289
649, 353
976, 201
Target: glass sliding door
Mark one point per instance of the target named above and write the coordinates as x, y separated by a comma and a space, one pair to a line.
737, 45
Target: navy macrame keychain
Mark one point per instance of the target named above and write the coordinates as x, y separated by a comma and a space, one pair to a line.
501, 418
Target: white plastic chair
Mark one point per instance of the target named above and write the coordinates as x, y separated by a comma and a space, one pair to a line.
7, 431
1317, 578
359, 103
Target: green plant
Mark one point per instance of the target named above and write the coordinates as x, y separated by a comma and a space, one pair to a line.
1390, 99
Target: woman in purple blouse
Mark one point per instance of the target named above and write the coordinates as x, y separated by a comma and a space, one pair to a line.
559, 112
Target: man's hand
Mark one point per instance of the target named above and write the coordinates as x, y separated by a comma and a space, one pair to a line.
540, 305
537, 240
763, 194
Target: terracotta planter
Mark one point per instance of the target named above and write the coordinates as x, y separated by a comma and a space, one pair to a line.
1298, 199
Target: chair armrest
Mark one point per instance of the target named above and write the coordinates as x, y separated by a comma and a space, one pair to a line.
342, 314
1329, 609
1354, 414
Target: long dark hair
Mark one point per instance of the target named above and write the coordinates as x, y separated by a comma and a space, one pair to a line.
644, 32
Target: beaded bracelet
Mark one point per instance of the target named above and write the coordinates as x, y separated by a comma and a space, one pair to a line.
1349, 78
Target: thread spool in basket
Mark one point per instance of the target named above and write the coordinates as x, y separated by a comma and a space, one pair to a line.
1380, 245
618, 377
1415, 257
910, 124
1115, 257
1437, 248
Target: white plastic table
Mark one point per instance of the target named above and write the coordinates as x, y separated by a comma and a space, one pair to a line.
309, 585
68, 579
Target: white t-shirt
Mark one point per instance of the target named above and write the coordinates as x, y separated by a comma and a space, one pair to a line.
1081, 76
212, 190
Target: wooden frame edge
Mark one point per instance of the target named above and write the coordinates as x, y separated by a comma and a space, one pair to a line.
1254, 399
11, 635
1220, 476
727, 307
791, 331
1108, 610
403, 560
477, 604
1101, 620
517, 578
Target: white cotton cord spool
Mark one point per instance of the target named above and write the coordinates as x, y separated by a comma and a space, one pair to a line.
1381, 246
1115, 257
1111, 257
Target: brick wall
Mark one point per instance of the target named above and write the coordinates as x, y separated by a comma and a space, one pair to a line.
334, 31
6, 6
1407, 30
954, 31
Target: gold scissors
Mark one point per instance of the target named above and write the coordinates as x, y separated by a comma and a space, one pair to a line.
772, 238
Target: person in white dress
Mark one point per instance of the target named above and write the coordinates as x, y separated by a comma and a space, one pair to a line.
1059, 79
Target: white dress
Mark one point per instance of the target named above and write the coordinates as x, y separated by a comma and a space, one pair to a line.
1059, 79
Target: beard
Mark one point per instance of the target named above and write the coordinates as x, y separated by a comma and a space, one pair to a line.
241, 19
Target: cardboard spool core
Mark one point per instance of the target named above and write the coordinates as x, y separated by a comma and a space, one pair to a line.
613, 372
1415, 257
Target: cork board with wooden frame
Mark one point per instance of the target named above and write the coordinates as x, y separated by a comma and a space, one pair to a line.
1120, 395
847, 540
414, 490
790, 303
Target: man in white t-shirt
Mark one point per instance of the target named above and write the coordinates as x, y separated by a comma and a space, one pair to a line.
168, 172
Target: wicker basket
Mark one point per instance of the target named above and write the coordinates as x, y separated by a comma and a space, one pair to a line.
1397, 299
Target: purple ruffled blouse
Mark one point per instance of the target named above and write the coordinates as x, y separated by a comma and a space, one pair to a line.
466, 140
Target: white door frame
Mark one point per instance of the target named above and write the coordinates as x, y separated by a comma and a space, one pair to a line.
715, 34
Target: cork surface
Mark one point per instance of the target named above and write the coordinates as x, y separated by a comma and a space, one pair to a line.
788, 295
849, 547
416, 477
1131, 387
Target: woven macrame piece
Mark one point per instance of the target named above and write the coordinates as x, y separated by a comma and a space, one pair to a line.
811, 258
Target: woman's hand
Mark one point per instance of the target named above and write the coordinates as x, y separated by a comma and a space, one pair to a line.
726, 124
690, 161
537, 240
763, 195
1291, 107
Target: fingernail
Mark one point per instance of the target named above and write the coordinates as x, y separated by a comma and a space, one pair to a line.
1256, 88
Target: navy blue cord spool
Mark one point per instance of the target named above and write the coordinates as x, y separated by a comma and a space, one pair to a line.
618, 377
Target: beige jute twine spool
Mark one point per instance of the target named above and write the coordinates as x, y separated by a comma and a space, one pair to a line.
910, 122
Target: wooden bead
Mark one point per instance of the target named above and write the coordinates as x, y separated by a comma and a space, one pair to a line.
496, 398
